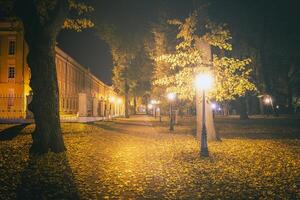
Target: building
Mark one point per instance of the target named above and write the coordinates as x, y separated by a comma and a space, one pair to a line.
81, 93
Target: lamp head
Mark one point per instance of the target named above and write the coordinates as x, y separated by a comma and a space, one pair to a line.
171, 96
204, 81
111, 99
268, 100
153, 101
213, 106
119, 100
150, 106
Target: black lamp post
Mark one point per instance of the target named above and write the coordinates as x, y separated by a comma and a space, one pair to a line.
171, 97
203, 82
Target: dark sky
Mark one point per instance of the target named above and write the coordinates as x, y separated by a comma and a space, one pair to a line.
89, 50
131, 15
136, 15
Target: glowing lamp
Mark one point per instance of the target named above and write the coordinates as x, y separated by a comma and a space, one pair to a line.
119, 100
111, 99
153, 101
268, 100
204, 81
171, 96
213, 106
150, 106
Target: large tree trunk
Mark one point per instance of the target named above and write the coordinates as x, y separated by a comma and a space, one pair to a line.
243, 108
209, 121
134, 105
41, 39
126, 99
45, 102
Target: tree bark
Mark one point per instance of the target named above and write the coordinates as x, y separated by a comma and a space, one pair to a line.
243, 108
134, 105
41, 39
209, 121
290, 99
45, 102
126, 99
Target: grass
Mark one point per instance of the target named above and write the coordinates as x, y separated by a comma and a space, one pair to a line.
137, 159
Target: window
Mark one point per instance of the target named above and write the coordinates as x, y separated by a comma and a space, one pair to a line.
11, 72
11, 47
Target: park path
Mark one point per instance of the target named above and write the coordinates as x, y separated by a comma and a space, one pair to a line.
132, 158
139, 158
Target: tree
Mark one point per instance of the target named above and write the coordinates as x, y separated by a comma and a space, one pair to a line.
42, 20
190, 58
122, 56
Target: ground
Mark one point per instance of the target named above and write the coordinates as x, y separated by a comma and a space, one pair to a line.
139, 158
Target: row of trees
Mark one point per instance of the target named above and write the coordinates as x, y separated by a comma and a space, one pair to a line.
161, 51
264, 32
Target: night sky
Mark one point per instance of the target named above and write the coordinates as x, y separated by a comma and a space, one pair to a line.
131, 16
136, 16
89, 50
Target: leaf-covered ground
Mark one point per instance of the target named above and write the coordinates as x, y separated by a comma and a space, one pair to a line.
139, 158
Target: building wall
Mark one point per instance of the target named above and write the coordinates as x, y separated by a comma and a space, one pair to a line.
73, 79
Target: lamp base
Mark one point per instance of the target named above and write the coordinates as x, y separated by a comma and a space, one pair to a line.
204, 153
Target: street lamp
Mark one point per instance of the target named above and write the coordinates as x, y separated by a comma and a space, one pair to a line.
204, 82
269, 103
171, 97
111, 100
119, 102
154, 103
150, 106
214, 107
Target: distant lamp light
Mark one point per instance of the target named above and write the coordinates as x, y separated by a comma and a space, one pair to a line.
219, 109
111, 99
277, 106
213, 106
268, 100
119, 100
153, 101
204, 81
171, 96
150, 106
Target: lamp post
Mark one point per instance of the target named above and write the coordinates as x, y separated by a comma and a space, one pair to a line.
154, 102
150, 107
171, 97
119, 102
203, 82
269, 102
111, 101
213, 106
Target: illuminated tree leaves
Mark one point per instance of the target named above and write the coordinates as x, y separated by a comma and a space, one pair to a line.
232, 76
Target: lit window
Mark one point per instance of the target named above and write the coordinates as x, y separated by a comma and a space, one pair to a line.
11, 72
11, 47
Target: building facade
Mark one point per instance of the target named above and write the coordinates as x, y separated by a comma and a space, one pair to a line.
81, 93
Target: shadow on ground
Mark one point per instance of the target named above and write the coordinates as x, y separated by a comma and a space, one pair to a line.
261, 136
11, 132
47, 177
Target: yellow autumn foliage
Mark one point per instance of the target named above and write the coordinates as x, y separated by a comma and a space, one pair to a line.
231, 75
132, 159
